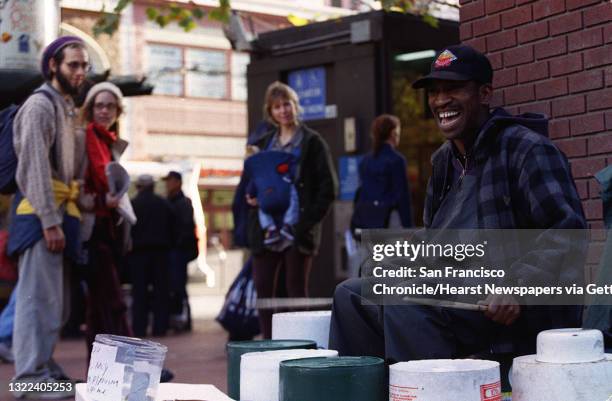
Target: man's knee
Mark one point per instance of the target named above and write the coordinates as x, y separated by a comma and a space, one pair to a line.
347, 288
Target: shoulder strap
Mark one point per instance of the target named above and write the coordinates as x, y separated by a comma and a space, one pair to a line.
49, 97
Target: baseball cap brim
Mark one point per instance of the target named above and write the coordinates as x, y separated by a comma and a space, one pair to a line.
441, 75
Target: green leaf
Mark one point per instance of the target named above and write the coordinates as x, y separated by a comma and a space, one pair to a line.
431, 20
162, 20
219, 14
198, 13
387, 4
174, 10
152, 13
184, 13
107, 23
187, 24
121, 5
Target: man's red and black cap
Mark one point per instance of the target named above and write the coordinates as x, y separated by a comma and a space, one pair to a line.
458, 63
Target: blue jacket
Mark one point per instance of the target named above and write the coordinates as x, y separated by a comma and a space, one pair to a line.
240, 208
271, 173
525, 183
384, 182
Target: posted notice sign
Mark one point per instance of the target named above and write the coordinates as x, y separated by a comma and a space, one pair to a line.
310, 86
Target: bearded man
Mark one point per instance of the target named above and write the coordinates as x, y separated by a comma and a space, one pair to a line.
44, 142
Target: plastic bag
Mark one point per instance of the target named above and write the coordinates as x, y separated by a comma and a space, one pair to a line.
239, 315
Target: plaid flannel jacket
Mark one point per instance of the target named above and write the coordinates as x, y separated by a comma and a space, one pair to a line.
526, 183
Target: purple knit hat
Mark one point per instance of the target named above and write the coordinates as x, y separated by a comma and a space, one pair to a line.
55, 47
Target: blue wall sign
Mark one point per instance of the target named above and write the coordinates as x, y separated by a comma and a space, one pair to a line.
310, 87
349, 176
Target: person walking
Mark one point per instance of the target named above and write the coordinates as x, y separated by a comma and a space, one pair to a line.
384, 182
316, 184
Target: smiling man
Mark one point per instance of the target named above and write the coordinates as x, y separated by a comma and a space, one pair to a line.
495, 171
44, 141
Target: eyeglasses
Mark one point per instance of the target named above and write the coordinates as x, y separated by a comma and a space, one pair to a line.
75, 65
108, 106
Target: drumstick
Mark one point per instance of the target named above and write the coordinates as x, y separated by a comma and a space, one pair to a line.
447, 304
273, 303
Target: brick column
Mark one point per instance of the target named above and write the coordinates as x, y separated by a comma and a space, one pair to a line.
553, 57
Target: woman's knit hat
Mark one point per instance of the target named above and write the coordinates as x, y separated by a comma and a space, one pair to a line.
101, 87
54, 48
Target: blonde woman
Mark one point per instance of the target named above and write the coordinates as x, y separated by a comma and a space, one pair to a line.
316, 185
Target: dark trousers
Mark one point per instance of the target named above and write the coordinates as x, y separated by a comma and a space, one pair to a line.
178, 279
150, 267
106, 309
268, 268
404, 332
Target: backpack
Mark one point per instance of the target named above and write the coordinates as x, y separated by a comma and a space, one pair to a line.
8, 158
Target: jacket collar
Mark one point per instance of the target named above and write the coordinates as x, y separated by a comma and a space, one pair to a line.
264, 141
179, 195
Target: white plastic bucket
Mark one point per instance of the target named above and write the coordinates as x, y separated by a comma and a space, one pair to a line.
259, 371
570, 346
309, 325
570, 365
444, 380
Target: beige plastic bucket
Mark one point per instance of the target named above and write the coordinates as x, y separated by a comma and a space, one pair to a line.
444, 380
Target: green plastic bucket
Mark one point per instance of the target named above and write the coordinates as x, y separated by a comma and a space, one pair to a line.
235, 349
344, 378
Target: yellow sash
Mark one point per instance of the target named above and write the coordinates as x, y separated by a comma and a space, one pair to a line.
64, 194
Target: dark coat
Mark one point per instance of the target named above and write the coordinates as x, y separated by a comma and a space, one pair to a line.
156, 226
317, 187
185, 225
384, 183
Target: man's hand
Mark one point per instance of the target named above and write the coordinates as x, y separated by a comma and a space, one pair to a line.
251, 201
112, 201
503, 309
54, 237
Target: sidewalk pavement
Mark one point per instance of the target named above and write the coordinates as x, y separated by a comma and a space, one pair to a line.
197, 357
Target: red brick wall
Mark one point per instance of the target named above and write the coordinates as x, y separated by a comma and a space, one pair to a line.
553, 57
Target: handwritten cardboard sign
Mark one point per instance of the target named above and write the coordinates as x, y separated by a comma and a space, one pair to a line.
105, 376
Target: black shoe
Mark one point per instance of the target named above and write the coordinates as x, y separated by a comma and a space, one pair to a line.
166, 376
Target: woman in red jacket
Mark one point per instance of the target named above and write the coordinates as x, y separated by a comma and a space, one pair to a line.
106, 310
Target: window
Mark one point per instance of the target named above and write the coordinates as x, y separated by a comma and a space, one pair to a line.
165, 69
239, 78
202, 73
222, 197
207, 73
